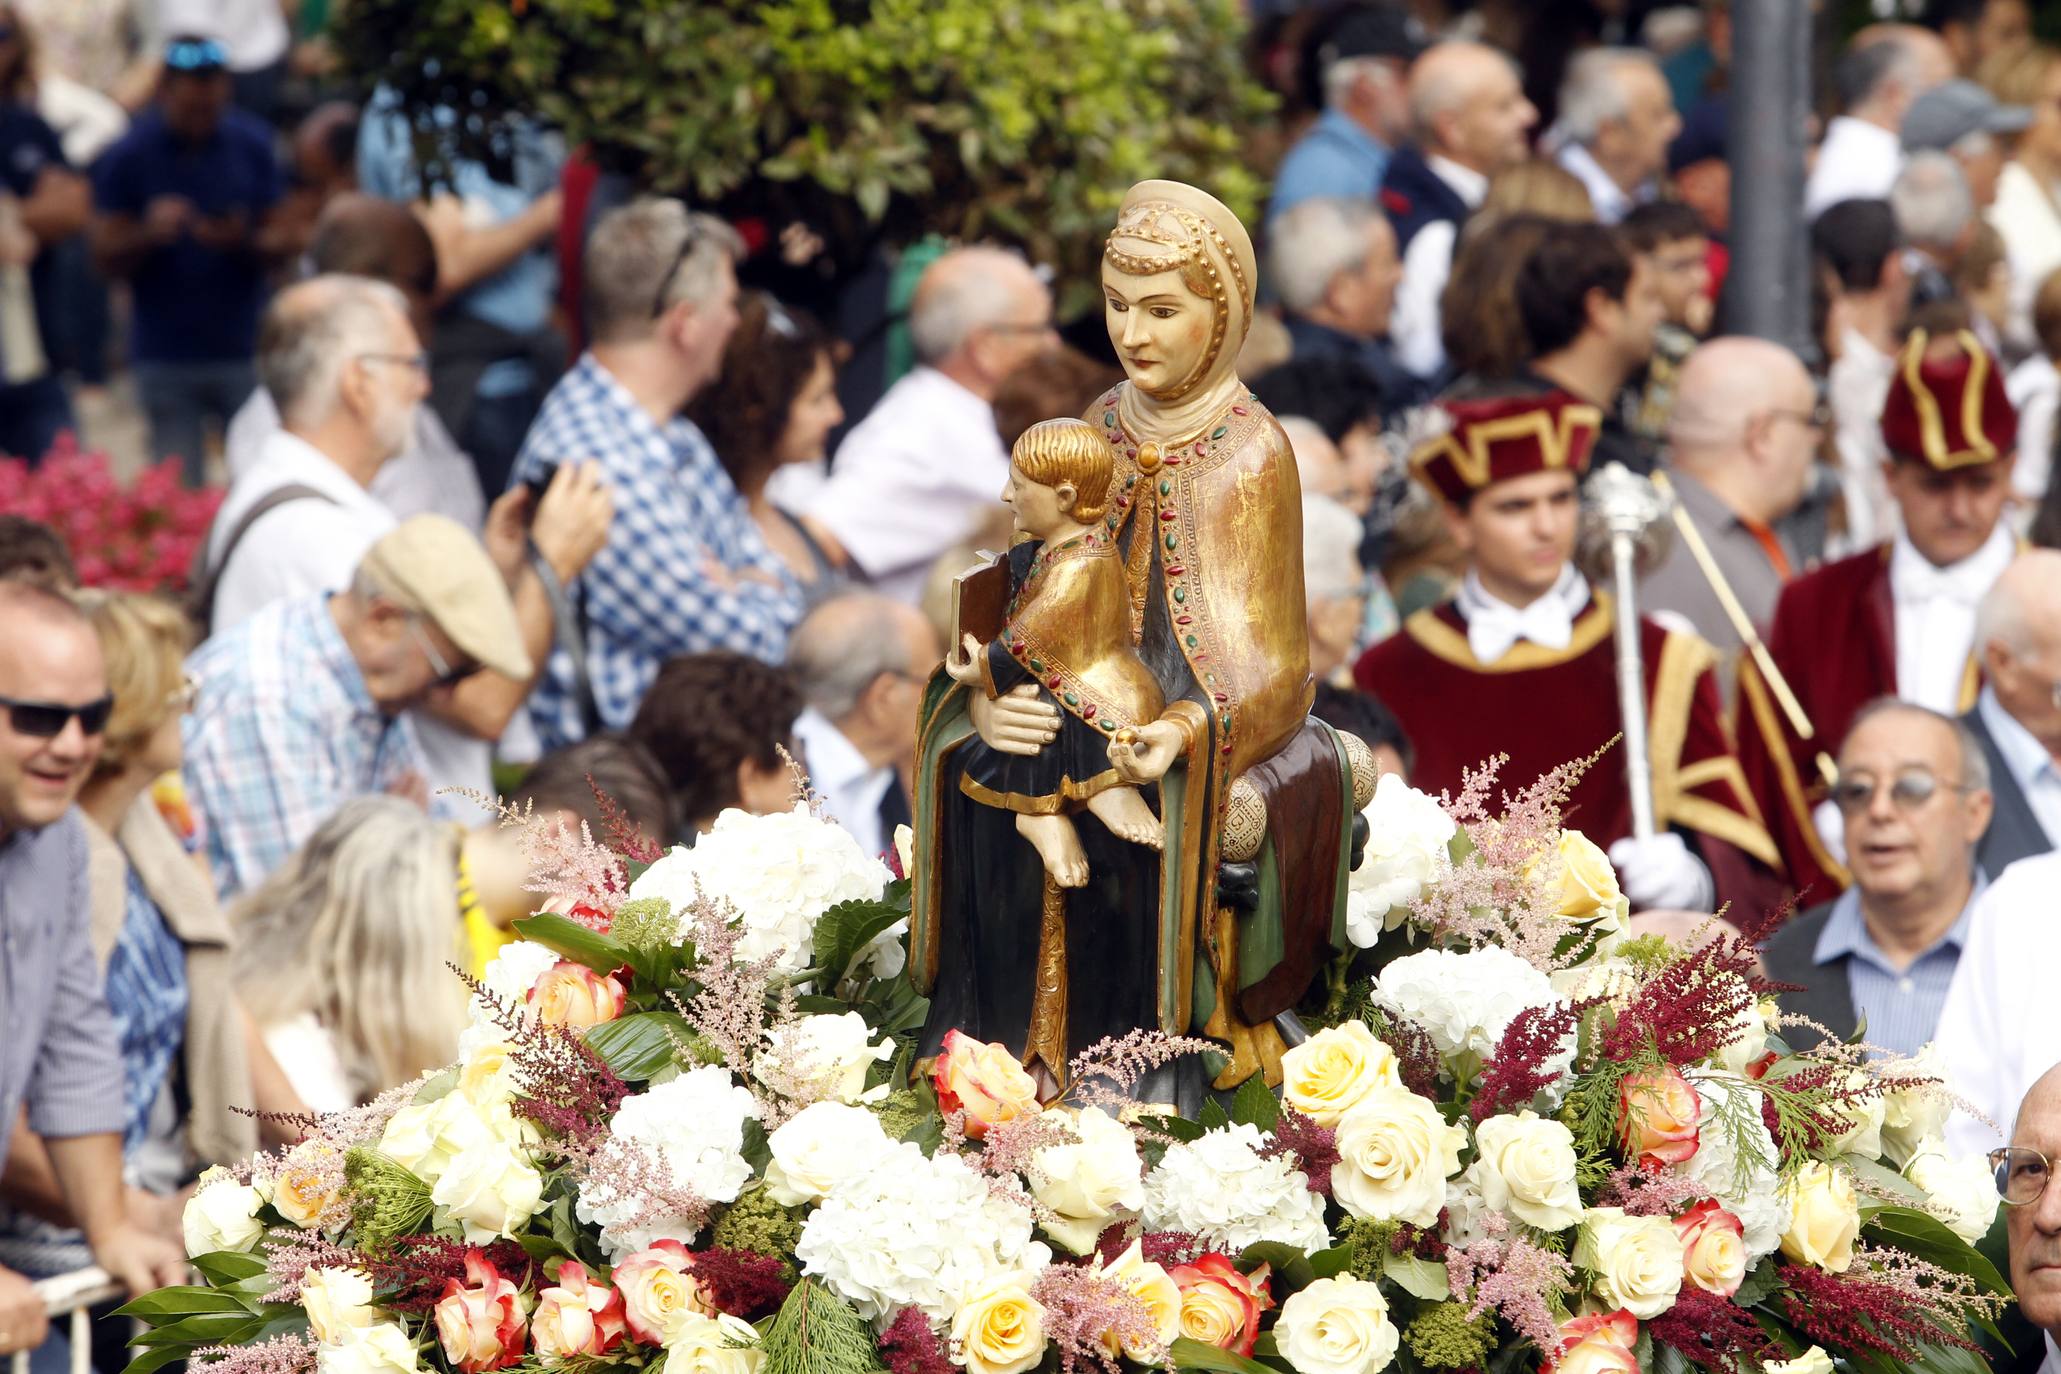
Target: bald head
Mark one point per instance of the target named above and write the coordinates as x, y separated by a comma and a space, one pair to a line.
2035, 1227
1723, 385
311, 332
1887, 66
844, 649
2018, 634
1467, 104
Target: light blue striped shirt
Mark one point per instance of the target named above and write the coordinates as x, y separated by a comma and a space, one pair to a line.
1899, 1009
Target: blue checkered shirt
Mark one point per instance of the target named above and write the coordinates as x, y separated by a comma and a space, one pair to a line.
284, 732
1899, 1007
648, 596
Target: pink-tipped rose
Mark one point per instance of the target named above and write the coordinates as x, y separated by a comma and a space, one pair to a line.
480, 1322
983, 1081
1713, 1248
1219, 1305
577, 1315
1601, 1343
1658, 1115
575, 996
659, 1291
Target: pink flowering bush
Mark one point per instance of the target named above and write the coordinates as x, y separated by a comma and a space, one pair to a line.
141, 537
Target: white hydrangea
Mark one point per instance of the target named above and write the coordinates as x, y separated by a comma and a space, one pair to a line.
916, 1232
1464, 1001
694, 1126
1406, 853
1746, 1185
781, 873
1223, 1190
1466, 1209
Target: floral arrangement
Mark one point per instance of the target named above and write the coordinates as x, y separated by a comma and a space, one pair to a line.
687, 1130
140, 537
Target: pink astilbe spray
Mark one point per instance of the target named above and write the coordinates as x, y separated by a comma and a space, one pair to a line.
1645, 1192
742, 1007
566, 868
619, 1171
1104, 1074
1514, 1278
290, 1253
352, 1126
290, 1354
1086, 1313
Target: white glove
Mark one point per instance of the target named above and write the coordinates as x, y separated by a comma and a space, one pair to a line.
1660, 874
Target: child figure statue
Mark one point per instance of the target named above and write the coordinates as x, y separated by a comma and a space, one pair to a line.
1067, 631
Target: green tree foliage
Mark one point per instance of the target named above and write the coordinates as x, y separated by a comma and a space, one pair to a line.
865, 119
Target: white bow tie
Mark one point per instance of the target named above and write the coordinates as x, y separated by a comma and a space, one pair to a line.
1918, 580
1494, 627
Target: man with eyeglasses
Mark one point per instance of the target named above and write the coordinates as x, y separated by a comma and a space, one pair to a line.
2018, 716
58, 1056
1897, 619
303, 707
1742, 442
1914, 792
2032, 1210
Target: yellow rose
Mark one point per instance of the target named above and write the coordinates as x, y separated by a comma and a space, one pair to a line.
984, 1081
1156, 1289
1000, 1327
1588, 884
1395, 1153
1811, 1361
487, 1075
307, 1184
1824, 1218
1637, 1260
1330, 1073
336, 1301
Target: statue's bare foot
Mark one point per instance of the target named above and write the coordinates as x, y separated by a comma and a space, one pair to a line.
1124, 811
1058, 845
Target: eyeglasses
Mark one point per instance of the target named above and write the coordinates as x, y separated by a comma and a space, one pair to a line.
1819, 416
2021, 1174
665, 283
182, 697
48, 719
418, 361
1912, 789
196, 55
446, 675
1044, 327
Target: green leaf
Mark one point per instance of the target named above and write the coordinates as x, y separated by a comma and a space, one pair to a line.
152, 1360
1292, 1268
1419, 1278
1254, 1104
1885, 1178
1329, 1264
639, 1045
1213, 1117
205, 1328
168, 1303
574, 941
1179, 1127
1929, 1239
223, 1267
1668, 1360
843, 933
1759, 1282
1188, 1353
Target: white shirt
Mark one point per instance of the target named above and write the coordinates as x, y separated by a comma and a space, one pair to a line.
1612, 201
1494, 626
912, 479
2031, 766
1998, 1032
1427, 264
852, 788
1935, 616
309, 546
306, 1051
2027, 217
1858, 387
1857, 161
2034, 387
431, 475
252, 32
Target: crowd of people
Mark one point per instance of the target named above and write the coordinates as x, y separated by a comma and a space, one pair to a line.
533, 489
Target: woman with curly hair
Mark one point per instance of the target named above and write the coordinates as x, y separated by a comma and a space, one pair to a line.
774, 404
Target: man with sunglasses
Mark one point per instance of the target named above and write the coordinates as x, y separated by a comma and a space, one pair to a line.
1914, 792
1898, 619
303, 706
58, 1056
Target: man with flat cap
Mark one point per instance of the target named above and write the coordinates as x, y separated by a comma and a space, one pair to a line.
1965, 121
1363, 58
302, 707
1521, 662
1898, 619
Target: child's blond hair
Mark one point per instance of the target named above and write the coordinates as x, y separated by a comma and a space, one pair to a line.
1055, 451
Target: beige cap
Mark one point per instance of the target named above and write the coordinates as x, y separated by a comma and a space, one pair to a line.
433, 564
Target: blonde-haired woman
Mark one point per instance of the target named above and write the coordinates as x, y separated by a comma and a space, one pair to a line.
343, 954
2027, 210
165, 947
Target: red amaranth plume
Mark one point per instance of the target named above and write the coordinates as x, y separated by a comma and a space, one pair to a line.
561, 1084
1851, 1311
1817, 1120
622, 834
1692, 1008
418, 1269
743, 1283
1315, 1147
1521, 1064
1713, 1332
910, 1346
1416, 1054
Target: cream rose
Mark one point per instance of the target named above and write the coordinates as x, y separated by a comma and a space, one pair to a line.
1864, 1121
1811, 1361
1337, 1326
381, 1348
424, 1139
486, 1075
984, 1081
1151, 1285
1334, 1070
721, 1344
337, 1302
1395, 1153
1824, 1218
491, 1188
1637, 1260
1527, 1168
999, 1327
1092, 1181
1914, 1118
222, 1214
1962, 1193
819, 1147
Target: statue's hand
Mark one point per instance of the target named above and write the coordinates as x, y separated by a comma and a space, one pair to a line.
962, 665
1015, 722
1143, 755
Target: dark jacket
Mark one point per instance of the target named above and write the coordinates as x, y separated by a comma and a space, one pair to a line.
2014, 831
1414, 196
1790, 956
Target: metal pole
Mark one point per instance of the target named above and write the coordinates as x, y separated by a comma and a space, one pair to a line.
1631, 680
1767, 293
